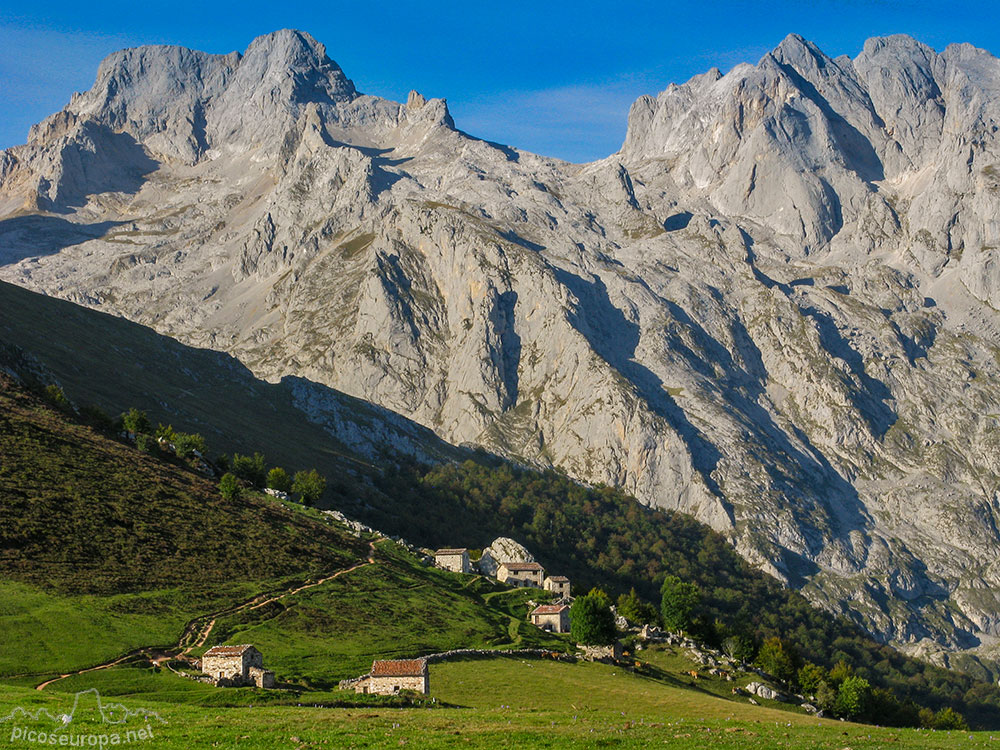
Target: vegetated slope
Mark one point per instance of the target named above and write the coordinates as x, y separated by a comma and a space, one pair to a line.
85, 514
600, 536
771, 309
104, 549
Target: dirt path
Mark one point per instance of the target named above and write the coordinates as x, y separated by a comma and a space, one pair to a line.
196, 632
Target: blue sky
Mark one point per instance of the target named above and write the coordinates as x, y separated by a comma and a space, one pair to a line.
556, 78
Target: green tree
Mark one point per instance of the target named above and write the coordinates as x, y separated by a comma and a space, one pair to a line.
810, 676
186, 444
250, 468
853, 697
310, 485
146, 443
826, 697
590, 620
136, 422
775, 659
278, 479
165, 432
678, 603
229, 486
948, 718
634, 609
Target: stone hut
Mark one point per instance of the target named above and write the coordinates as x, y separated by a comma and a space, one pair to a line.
558, 585
551, 617
236, 666
389, 677
521, 574
455, 560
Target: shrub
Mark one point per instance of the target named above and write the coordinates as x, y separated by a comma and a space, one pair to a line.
186, 444
775, 659
229, 486
310, 485
136, 422
146, 443
55, 396
250, 468
278, 479
853, 698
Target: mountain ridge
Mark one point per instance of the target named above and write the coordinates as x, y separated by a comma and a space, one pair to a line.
767, 310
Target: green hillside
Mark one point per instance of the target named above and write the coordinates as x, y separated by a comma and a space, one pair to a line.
104, 550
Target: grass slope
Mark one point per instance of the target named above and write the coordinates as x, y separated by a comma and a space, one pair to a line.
104, 549
501, 703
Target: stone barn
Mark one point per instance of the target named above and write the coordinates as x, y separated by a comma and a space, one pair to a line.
389, 677
521, 574
455, 560
558, 585
551, 617
236, 666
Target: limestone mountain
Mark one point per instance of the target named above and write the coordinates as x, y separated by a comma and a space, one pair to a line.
774, 308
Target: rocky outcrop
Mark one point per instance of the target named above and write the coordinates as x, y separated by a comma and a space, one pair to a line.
773, 309
502, 550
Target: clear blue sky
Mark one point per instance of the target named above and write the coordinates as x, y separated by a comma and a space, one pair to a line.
552, 77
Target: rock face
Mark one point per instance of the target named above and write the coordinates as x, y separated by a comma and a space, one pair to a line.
774, 308
502, 550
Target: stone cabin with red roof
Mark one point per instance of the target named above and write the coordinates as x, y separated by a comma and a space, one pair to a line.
521, 574
390, 676
236, 666
551, 617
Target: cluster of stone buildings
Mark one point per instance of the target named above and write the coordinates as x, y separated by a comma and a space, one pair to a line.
551, 617
519, 574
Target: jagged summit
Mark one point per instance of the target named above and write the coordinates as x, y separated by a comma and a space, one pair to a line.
774, 308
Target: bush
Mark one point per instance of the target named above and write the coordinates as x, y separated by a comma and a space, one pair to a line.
146, 443
948, 718
229, 486
136, 422
310, 485
775, 659
739, 647
636, 611
278, 479
250, 469
186, 444
810, 676
55, 396
591, 621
